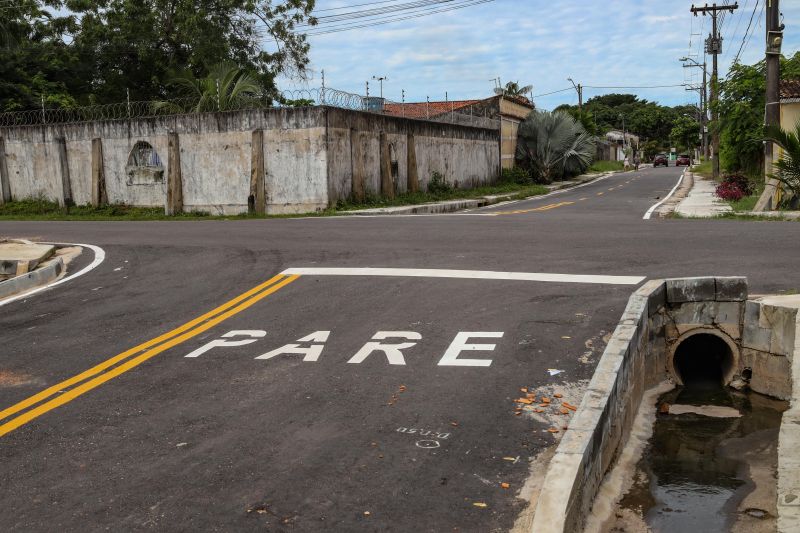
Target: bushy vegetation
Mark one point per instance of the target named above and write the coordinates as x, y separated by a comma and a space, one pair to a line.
438, 184
787, 168
516, 175
553, 145
606, 166
741, 111
734, 187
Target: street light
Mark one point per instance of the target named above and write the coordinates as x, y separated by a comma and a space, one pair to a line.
703, 98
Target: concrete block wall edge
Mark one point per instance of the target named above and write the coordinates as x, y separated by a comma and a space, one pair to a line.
614, 358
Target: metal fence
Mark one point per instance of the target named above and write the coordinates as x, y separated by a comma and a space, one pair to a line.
182, 106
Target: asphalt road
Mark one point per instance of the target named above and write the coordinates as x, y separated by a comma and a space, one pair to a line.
333, 432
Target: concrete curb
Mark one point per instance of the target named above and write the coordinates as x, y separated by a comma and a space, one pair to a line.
451, 206
48, 272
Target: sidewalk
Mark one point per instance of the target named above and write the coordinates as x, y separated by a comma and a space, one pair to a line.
701, 201
451, 206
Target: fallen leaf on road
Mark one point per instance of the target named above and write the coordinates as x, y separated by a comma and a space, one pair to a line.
554, 371
480, 504
366, 513
454, 424
523, 400
538, 410
558, 395
566, 337
505, 485
545, 399
563, 410
524, 389
509, 458
552, 430
518, 413
569, 406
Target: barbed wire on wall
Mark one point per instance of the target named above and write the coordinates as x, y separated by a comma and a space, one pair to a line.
130, 110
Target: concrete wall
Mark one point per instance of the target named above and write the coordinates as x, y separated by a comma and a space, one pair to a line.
762, 335
466, 156
307, 157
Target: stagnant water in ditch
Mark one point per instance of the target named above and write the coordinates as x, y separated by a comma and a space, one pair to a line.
711, 468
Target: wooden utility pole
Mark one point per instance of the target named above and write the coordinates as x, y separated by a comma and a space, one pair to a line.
714, 47
257, 201
772, 111
174, 179
5, 184
99, 193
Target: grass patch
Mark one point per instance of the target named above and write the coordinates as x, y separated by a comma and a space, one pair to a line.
703, 169
606, 166
372, 201
748, 202
40, 209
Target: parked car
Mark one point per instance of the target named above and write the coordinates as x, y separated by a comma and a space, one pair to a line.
683, 159
660, 159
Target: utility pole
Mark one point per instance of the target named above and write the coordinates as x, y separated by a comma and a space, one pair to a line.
579, 89
703, 99
772, 111
714, 47
380, 79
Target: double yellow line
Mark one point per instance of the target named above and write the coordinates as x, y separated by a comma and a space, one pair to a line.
71, 388
542, 208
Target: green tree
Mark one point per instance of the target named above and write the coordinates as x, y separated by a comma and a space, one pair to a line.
684, 134
514, 89
225, 88
741, 114
101, 51
553, 145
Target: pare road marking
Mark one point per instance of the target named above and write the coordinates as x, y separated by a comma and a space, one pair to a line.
312, 345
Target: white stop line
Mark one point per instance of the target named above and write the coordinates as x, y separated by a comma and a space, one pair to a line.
467, 274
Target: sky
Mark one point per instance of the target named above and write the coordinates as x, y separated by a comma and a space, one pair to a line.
539, 43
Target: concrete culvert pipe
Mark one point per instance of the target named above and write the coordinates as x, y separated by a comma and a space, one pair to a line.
703, 358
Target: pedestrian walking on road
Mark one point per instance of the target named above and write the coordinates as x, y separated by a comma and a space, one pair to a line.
636, 162
626, 164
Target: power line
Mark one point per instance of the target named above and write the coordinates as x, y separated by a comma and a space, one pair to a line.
365, 13
378, 22
353, 5
744, 37
553, 92
634, 86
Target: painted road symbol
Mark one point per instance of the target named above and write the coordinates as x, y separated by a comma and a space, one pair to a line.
312, 345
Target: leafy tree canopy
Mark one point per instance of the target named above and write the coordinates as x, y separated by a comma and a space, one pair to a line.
77, 52
652, 122
741, 111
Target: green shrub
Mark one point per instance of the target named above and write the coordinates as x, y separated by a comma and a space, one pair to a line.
438, 185
516, 175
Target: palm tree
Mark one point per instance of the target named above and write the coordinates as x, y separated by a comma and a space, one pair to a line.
787, 168
552, 145
226, 87
513, 89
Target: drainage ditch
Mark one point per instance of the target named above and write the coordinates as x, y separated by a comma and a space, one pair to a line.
711, 464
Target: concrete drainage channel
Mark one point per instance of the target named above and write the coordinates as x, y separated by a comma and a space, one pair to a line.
712, 373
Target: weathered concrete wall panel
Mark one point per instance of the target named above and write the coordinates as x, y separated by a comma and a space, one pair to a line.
309, 157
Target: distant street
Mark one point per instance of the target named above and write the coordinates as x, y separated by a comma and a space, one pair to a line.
332, 398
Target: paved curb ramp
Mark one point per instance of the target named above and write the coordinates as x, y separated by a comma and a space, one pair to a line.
764, 337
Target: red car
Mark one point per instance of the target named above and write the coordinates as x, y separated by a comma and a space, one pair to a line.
682, 160
660, 159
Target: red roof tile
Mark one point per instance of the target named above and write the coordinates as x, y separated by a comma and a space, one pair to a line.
426, 109
790, 88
